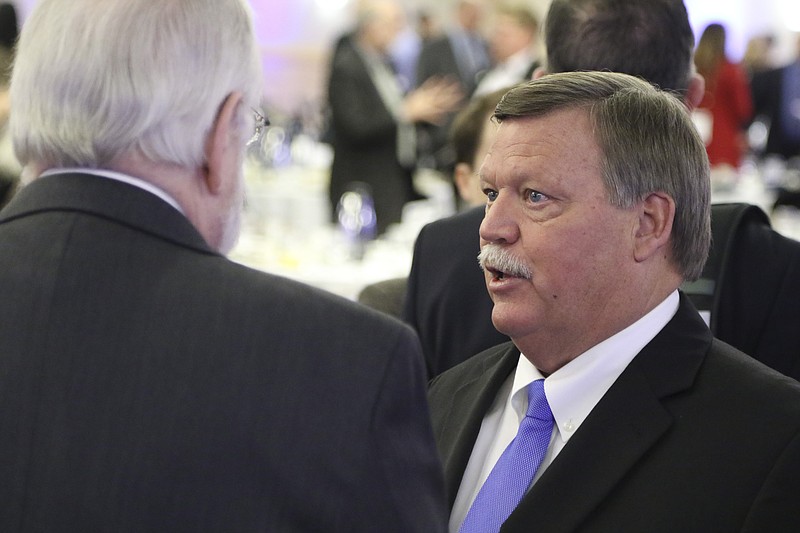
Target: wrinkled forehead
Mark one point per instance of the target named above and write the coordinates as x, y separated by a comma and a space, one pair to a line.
559, 145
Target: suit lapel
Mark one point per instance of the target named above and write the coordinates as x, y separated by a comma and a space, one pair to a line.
459, 426
627, 422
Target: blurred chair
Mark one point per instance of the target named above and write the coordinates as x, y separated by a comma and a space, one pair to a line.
386, 296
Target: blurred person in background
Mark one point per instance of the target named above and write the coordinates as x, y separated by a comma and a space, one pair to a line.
471, 135
776, 95
373, 123
727, 105
513, 46
445, 299
460, 54
758, 55
149, 383
427, 26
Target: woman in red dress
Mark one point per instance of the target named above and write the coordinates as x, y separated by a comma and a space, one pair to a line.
727, 99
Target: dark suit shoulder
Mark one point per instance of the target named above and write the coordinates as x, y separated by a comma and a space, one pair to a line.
436, 45
323, 310
457, 233
738, 371
446, 282
461, 223
757, 302
471, 369
436, 58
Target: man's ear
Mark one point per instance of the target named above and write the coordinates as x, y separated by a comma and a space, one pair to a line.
222, 143
538, 72
654, 229
462, 175
695, 91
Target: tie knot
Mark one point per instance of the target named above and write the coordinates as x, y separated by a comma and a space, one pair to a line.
538, 407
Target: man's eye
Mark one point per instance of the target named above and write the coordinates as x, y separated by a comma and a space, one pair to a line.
490, 194
536, 197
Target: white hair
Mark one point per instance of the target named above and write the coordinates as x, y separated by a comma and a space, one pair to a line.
97, 79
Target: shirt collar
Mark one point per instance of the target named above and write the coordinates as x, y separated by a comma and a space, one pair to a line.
573, 390
117, 176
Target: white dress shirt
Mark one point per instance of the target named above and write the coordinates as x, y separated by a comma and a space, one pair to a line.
512, 71
572, 392
110, 174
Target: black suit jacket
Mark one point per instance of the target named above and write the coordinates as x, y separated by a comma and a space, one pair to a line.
446, 299
694, 436
438, 59
364, 137
758, 287
752, 275
149, 384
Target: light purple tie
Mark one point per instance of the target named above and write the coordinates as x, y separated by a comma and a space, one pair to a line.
512, 475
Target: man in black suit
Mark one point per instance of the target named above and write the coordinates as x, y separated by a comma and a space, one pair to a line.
447, 299
441, 303
651, 39
461, 54
593, 221
373, 123
148, 383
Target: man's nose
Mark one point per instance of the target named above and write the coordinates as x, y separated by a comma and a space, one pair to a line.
499, 222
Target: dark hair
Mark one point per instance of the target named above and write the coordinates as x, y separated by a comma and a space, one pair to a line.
651, 39
467, 127
648, 143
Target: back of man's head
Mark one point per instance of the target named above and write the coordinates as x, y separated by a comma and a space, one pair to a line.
651, 39
97, 80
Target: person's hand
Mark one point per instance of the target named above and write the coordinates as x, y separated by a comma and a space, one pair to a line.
432, 100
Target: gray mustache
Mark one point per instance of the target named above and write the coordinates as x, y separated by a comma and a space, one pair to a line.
495, 257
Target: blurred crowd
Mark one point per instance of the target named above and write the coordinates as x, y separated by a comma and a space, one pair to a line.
391, 105
741, 94
388, 120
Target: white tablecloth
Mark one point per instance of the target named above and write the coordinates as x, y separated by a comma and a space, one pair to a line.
288, 231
